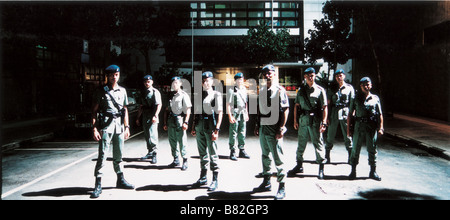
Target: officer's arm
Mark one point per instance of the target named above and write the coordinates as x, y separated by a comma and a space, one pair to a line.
94, 115
188, 115
125, 120
324, 114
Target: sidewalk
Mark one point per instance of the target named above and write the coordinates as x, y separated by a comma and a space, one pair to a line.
18, 133
430, 135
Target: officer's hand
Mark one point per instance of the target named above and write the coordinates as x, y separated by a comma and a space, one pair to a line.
193, 132
165, 128
184, 127
97, 135
323, 128
296, 125
215, 135
137, 122
232, 120
256, 132
155, 119
127, 133
381, 131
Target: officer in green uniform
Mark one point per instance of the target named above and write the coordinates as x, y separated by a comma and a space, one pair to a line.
368, 117
237, 110
206, 129
339, 96
150, 106
310, 115
176, 121
270, 127
110, 122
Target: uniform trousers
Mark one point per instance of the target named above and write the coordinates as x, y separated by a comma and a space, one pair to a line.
237, 130
117, 141
271, 145
368, 132
204, 129
306, 130
177, 136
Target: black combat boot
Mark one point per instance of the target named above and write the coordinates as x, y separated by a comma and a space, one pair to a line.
202, 180
352, 175
297, 169
122, 183
154, 160
233, 155
185, 164
320, 176
175, 163
373, 174
327, 155
265, 185
215, 182
243, 154
98, 188
281, 192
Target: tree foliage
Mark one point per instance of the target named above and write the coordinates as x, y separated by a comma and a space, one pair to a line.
261, 45
332, 39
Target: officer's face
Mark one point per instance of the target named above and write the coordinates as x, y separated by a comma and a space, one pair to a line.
207, 83
176, 84
340, 77
269, 75
113, 78
366, 87
240, 81
310, 77
148, 83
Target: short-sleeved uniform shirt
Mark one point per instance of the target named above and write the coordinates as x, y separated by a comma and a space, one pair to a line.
179, 103
317, 99
106, 104
340, 99
237, 98
272, 100
367, 107
150, 99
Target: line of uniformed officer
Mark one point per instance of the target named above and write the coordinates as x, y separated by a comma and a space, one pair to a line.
110, 120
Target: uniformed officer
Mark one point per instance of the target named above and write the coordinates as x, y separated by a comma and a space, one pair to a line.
110, 122
368, 117
237, 110
149, 108
270, 127
176, 121
339, 97
310, 115
206, 129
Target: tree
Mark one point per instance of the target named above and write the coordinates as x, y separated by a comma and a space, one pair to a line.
332, 39
261, 45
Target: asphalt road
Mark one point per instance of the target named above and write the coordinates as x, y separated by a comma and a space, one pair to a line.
63, 170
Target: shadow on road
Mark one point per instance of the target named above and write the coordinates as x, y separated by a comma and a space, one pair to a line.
64, 191
393, 194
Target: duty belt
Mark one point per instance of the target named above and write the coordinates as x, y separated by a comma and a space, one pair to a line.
112, 115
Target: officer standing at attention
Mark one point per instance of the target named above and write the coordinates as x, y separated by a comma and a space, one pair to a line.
310, 117
149, 108
368, 117
270, 127
176, 121
237, 110
206, 129
339, 97
110, 122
